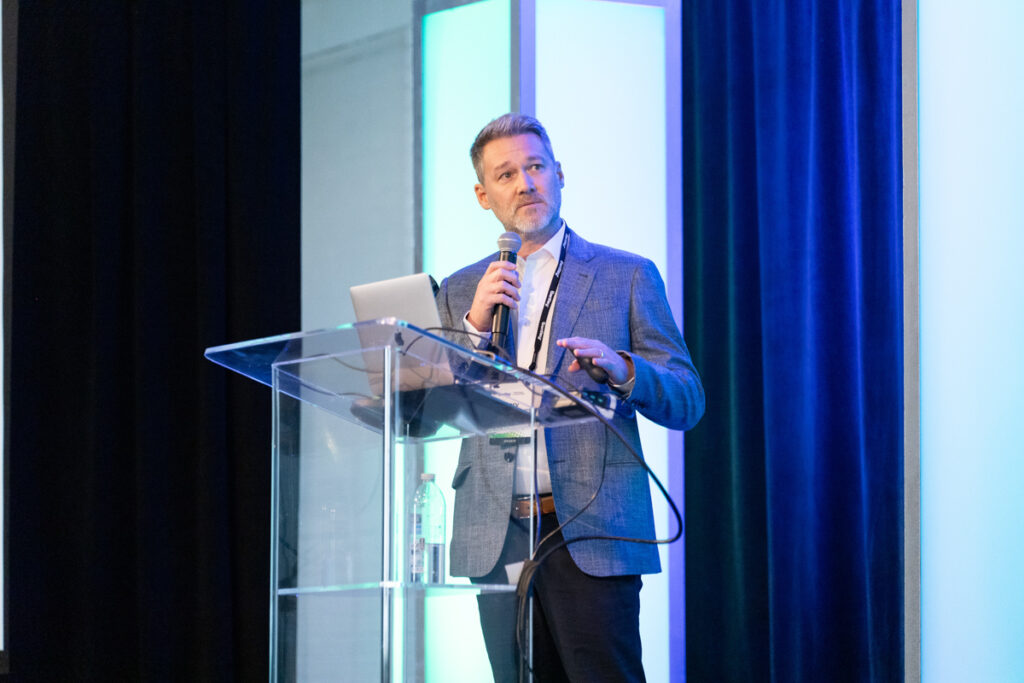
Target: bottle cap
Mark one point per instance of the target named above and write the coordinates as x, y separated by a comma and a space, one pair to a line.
427, 476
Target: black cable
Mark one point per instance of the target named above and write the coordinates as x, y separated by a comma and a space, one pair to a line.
482, 336
589, 408
524, 587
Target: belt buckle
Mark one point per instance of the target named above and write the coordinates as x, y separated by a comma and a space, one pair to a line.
530, 505
522, 507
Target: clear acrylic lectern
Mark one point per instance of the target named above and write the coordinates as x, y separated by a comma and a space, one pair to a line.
359, 412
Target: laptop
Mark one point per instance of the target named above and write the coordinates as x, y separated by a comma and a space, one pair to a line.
409, 298
427, 387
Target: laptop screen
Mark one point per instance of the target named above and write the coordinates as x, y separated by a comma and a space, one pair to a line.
409, 298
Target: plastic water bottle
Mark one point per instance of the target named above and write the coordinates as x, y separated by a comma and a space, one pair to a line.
427, 528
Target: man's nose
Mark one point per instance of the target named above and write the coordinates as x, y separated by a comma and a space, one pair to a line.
526, 183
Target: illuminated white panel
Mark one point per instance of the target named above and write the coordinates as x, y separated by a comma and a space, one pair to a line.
600, 92
972, 327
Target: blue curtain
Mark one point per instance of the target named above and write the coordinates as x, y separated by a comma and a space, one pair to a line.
793, 300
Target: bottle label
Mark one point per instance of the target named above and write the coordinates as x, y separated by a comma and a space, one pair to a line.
418, 552
427, 536
435, 562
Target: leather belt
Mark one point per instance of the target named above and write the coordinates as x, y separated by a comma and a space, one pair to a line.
525, 506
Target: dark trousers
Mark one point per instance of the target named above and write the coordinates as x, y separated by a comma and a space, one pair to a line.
585, 628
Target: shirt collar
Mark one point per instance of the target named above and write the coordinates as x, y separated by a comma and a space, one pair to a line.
554, 245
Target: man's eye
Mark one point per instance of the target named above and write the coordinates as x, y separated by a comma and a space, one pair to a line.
537, 167
506, 174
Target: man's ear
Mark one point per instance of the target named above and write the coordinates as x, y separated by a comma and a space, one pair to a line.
481, 196
561, 176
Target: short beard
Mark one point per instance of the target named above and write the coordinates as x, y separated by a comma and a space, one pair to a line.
524, 228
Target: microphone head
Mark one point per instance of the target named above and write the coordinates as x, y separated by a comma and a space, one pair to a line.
509, 241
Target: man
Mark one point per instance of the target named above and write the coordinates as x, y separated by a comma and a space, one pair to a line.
609, 306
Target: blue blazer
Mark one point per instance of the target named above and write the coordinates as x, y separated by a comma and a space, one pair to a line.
618, 298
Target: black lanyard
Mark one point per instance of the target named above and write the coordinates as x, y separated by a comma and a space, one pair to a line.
549, 300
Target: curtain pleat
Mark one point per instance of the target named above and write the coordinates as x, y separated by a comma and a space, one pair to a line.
792, 199
156, 213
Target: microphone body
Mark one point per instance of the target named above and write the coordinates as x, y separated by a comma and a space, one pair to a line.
508, 248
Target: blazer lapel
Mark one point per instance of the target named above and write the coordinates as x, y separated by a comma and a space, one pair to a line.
577, 278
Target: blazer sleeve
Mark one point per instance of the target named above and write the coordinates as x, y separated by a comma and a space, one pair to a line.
668, 389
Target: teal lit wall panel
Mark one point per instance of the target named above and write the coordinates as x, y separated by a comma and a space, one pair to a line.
467, 81
971, 144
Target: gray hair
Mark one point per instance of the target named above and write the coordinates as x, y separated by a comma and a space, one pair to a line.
506, 126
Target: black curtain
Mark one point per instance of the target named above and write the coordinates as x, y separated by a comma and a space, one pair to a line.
156, 212
793, 303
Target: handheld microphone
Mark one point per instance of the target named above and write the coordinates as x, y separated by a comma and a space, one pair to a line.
508, 246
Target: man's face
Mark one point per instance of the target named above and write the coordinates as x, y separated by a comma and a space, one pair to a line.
522, 185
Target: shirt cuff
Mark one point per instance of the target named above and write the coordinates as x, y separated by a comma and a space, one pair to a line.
483, 337
626, 388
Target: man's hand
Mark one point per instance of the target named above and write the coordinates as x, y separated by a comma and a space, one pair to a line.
499, 285
619, 371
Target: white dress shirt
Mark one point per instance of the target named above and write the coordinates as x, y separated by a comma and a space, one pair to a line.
535, 272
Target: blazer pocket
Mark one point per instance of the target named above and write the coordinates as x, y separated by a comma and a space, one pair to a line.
460, 474
626, 460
